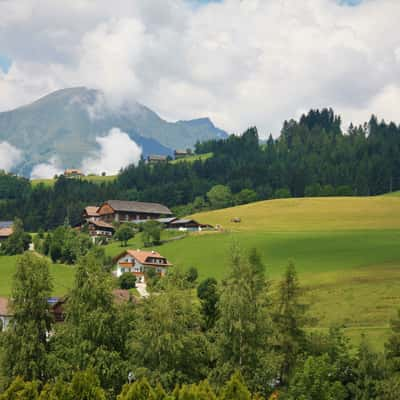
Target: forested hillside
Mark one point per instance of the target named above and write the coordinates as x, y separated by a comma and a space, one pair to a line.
312, 157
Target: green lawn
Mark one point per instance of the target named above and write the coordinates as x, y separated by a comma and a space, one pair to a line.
62, 276
194, 157
89, 178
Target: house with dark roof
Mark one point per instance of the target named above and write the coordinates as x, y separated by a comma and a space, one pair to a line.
100, 229
182, 153
128, 211
138, 262
156, 159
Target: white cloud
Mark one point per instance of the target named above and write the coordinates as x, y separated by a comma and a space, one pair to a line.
117, 151
10, 156
251, 62
47, 170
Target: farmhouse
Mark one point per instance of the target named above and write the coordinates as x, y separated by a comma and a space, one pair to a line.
128, 211
100, 229
90, 214
157, 159
73, 173
187, 225
182, 153
6, 229
5, 314
139, 262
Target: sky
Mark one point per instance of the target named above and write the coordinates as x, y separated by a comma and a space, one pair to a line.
240, 62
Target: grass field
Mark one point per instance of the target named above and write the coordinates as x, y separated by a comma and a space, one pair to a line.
193, 158
90, 178
346, 251
62, 276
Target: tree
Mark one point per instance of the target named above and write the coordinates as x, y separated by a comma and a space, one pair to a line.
235, 389
167, 328
245, 196
392, 347
124, 233
25, 342
85, 385
151, 232
95, 330
139, 390
220, 196
244, 326
192, 275
127, 281
207, 292
282, 193
19, 240
289, 322
316, 379
21, 390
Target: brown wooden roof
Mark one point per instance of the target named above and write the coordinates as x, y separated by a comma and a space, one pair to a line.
139, 207
91, 211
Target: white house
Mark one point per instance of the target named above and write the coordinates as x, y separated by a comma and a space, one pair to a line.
138, 262
5, 314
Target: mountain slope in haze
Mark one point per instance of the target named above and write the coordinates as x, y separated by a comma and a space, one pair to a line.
66, 123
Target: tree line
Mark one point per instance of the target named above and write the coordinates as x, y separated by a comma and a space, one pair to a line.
312, 157
241, 338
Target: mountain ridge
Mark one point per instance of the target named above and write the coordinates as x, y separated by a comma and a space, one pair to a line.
66, 123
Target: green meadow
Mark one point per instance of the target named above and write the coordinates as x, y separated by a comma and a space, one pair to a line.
346, 251
90, 178
62, 276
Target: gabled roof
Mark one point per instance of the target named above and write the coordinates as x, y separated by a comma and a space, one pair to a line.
143, 256
137, 206
102, 224
157, 157
91, 211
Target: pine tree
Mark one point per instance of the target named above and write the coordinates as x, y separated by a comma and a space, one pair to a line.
289, 321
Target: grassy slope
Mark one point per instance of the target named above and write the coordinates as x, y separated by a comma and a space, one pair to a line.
345, 249
62, 276
94, 179
194, 157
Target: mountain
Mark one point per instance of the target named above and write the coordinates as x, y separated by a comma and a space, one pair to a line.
66, 123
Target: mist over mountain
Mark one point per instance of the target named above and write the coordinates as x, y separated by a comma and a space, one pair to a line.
65, 126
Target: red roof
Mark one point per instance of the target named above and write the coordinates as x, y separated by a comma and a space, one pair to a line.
143, 256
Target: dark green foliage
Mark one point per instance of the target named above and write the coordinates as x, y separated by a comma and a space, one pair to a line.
289, 322
19, 240
207, 292
25, 346
65, 245
316, 379
392, 347
192, 275
124, 233
235, 389
127, 281
220, 196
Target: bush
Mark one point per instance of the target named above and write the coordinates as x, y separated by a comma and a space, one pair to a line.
127, 281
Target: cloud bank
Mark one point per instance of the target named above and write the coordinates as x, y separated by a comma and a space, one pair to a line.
117, 151
249, 62
10, 156
47, 170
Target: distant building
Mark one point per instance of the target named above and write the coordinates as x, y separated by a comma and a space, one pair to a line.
129, 211
187, 225
157, 159
138, 262
73, 173
6, 229
182, 153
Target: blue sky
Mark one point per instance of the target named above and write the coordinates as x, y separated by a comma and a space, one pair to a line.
5, 63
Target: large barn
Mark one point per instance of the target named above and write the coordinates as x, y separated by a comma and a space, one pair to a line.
127, 211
